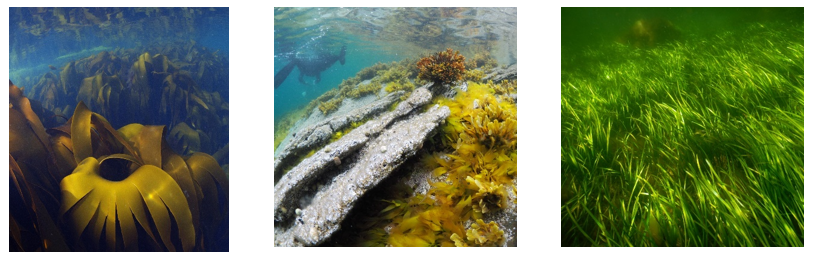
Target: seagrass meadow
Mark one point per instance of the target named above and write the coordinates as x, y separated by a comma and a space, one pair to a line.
696, 141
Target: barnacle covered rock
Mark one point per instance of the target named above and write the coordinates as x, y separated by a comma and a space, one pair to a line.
313, 134
499, 74
368, 165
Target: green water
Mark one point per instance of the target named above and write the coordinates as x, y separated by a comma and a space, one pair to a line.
583, 28
682, 127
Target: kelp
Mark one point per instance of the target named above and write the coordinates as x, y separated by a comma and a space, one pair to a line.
29, 142
35, 223
126, 183
102, 92
31, 196
105, 202
187, 140
163, 84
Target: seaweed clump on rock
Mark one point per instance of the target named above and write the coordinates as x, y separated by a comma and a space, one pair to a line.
469, 196
443, 68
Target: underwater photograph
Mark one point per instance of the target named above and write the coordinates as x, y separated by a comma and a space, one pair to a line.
395, 127
682, 127
119, 129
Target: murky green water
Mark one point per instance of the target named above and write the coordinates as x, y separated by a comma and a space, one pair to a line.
682, 127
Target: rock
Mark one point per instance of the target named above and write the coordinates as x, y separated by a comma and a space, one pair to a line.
499, 74
401, 132
317, 129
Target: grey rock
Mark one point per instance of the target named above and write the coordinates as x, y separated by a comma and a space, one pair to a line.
499, 74
318, 134
364, 165
318, 128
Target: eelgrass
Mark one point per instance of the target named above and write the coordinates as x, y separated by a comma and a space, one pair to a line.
694, 143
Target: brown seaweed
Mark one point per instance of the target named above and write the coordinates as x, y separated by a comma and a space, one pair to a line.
178, 203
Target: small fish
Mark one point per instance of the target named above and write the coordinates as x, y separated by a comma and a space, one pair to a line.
52, 67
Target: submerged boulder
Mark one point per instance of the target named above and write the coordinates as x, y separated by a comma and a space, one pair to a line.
313, 198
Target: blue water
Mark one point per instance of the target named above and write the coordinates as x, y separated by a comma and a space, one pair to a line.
57, 44
42, 41
292, 94
381, 35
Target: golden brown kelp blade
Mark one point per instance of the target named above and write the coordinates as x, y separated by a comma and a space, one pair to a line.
67, 77
63, 149
222, 155
28, 141
146, 150
108, 141
47, 89
150, 145
19, 103
93, 199
184, 139
101, 93
214, 185
97, 203
177, 168
33, 220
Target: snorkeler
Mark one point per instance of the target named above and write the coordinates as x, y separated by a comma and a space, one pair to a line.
309, 67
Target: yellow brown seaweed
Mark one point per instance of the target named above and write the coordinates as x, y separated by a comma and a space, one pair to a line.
474, 174
124, 183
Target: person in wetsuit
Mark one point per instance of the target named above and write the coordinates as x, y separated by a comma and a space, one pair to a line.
309, 67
